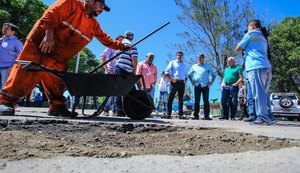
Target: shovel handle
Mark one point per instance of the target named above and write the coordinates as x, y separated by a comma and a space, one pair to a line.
118, 54
36, 67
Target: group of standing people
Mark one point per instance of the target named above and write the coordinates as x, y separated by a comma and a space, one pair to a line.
258, 75
60, 34
177, 74
126, 64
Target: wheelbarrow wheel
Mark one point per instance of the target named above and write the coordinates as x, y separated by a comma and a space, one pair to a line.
138, 105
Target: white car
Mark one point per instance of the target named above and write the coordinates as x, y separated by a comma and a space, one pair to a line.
285, 105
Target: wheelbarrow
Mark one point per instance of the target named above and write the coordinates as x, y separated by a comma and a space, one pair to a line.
137, 104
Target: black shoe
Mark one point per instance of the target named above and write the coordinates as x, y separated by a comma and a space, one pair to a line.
167, 116
250, 119
120, 114
207, 118
7, 110
232, 119
195, 116
61, 111
223, 118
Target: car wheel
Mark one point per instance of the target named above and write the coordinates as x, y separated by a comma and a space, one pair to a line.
285, 102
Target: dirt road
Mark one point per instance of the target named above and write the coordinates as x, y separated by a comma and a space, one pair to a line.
31, 135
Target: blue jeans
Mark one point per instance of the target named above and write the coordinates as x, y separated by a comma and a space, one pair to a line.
151, 92
233, 102
162, 97
109, 103
250, 101
4, 72
259, 81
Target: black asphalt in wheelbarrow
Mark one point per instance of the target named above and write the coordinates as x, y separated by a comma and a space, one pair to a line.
137, 104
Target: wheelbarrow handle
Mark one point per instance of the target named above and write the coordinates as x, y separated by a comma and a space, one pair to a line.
36, 67
118, 54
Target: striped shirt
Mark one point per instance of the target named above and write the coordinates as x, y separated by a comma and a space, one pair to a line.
124, 61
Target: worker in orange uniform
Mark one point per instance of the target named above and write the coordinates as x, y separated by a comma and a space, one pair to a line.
65, 28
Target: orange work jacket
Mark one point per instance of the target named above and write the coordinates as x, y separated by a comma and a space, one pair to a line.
73, 30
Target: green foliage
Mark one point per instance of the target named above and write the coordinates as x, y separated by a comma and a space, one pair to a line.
285, 49
87, 62
4, 16
23, 13
215, 27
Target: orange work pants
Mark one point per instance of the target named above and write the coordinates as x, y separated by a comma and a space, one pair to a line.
20, 82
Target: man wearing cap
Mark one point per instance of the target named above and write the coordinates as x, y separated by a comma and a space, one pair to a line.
65, 28
199, 77
149, 72
10, 48
126, 64
176, 71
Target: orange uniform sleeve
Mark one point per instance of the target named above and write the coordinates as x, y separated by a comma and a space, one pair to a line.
57, 13
106, 40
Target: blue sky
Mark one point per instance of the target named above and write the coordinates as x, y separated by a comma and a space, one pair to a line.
143, 16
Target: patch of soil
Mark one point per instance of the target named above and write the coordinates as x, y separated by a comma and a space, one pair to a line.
44, 139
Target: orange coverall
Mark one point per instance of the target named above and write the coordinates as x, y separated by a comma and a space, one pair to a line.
73, 31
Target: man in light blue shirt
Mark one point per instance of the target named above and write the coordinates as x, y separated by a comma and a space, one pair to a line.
176, 71
199, 77
258, 71
10, 48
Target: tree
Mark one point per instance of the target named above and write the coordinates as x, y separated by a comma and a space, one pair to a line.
285, 49
215, 27
87, 62
23, 13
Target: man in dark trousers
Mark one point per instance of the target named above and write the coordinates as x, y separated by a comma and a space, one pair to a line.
176, 71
